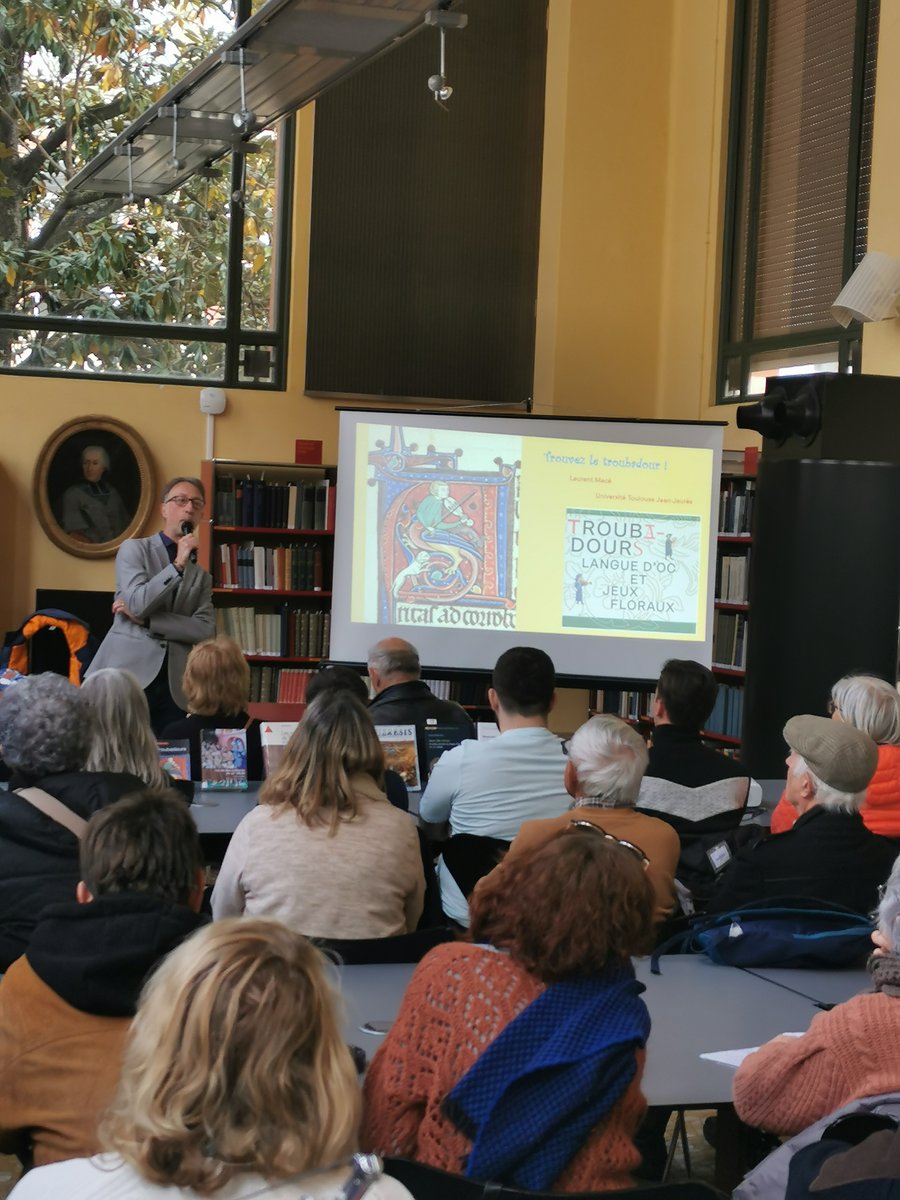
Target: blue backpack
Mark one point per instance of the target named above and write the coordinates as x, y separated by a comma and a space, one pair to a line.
790, 932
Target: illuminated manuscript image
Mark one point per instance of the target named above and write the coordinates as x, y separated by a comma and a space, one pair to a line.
445, 519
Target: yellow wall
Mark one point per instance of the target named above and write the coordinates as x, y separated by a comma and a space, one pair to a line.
628, 278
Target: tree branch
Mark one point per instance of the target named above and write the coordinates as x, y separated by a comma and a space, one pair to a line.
73, 212
28, 166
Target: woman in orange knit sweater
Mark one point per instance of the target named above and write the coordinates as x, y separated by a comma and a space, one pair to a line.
872, 705
518, 1058
846, 1054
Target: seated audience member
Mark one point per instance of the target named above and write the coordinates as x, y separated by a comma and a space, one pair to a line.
345, 679
699, 791
403, 698
216, 684
46, 734
872, 705
603, 776
829, 855
685, 697
491, 788
123, 738
324, 851
847, 1053
518, 1058
235, 1082
67, 1004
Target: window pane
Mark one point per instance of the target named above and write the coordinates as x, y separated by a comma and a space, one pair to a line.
36, 350
803, 360
262, 229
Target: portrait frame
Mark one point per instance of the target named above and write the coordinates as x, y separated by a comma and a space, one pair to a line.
91, 517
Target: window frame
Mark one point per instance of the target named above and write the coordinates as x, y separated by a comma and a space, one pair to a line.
235, 338
747, 346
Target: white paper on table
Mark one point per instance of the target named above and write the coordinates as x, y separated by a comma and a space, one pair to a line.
734, 1058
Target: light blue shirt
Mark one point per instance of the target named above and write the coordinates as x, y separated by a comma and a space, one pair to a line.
490, 789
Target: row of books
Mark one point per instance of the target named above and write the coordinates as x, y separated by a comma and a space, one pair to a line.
471, 692
733, 578
299, 567
728, 712
729, 646
289, 632
261, 504
736, 506
630, 705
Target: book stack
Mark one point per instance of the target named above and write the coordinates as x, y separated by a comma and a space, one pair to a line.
297, 567
630, 705
288, 632
736, 506
728, 713
245, 503
732, 578
730, 639
278, 685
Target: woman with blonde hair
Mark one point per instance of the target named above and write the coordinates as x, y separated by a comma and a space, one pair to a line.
216, 685
872, 705
235, 1082
123, 738
325, 851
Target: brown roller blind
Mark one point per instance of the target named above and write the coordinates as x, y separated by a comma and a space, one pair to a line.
803, 161
425, 221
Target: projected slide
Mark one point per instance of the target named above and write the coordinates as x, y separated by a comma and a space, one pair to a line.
470, 529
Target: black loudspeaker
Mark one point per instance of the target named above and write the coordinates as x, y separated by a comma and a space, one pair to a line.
825, 576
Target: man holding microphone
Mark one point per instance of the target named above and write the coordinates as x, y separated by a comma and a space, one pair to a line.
163, 604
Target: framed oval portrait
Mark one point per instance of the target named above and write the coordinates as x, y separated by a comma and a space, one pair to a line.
93, 486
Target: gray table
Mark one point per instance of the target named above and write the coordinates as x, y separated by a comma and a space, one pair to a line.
222, 811
823, 988
695, 1007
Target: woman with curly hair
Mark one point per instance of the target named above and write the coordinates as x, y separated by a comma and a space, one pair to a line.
325, 851
47, 730
235, 1082
518, 1057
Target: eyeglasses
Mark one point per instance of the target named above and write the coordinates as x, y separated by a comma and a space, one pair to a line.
185, 502
832, 708
611, 837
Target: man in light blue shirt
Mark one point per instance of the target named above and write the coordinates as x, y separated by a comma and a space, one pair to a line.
490, 788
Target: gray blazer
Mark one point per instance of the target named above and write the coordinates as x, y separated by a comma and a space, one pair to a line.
177, 609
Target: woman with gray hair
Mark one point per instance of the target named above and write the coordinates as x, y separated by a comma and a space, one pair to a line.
46, 733
123, 739
872, 705
606, 763
847, 1053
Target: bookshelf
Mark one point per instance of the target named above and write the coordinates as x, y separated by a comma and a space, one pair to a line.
731, 610
269, 547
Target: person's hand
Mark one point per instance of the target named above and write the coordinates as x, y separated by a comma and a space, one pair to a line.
120, 607
186, 546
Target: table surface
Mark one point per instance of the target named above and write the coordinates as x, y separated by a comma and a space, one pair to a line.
695, 1007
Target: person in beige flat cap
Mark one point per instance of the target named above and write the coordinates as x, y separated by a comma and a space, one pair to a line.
828, 855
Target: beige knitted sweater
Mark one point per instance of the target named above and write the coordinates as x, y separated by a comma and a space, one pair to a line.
847, 1053
363, 881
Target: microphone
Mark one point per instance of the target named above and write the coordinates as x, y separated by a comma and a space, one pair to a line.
186, 528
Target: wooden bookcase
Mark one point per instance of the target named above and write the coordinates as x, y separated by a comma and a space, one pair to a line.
269, 545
